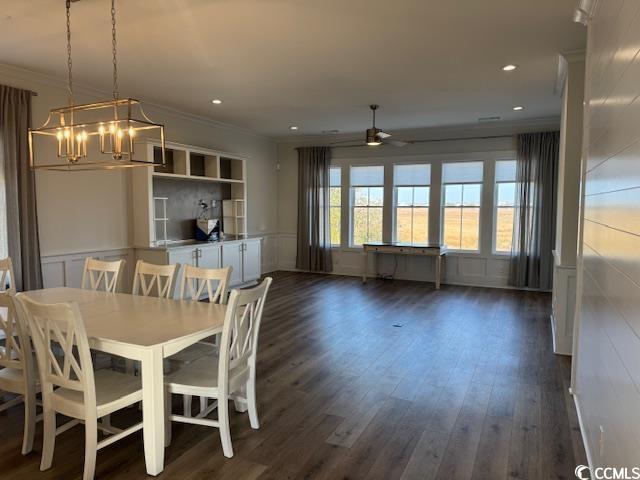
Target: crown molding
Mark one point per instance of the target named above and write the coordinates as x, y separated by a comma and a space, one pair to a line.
32, 77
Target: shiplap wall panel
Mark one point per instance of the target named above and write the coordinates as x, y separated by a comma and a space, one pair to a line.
607, 375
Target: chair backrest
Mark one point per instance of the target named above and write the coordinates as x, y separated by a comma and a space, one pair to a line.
16, 352
239, 341
153, 280
101, 275
7, 278
59, 328
195, 280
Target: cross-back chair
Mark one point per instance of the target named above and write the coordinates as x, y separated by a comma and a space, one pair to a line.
230, 375
7, 278
101, 275
69, 384
18, 374
195, 282
153, 280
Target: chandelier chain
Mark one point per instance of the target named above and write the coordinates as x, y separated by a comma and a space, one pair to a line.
114, 45
69, 62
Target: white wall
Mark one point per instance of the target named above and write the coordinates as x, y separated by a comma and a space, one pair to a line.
89, 211
607, 352
483, 268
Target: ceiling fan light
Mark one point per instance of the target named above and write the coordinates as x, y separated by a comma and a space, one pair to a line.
372, 137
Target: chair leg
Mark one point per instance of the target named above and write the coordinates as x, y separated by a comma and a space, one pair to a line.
251, 404
167, 418
49, 438
186, 400
106, 421
129, 367
203, 404
90, 448
225, 431
29, 422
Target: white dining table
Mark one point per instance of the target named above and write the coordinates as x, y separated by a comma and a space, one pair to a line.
146, 329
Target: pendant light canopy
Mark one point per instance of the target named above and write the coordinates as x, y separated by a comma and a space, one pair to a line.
95, 136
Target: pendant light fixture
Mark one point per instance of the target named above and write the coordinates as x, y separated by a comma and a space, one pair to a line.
94, 136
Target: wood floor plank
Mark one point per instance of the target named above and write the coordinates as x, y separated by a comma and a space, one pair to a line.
455, 391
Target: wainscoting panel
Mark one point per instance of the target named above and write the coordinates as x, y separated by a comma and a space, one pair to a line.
269, 252
460, 269
66, 270
563, 307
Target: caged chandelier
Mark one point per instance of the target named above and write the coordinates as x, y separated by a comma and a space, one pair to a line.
98, 135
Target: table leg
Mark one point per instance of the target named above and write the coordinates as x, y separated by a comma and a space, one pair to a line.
153, 410
438, 271
364, 266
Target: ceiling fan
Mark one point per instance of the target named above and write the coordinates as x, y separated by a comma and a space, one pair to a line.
375, 136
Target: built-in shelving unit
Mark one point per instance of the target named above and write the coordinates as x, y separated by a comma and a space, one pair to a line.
234, 216
187, 162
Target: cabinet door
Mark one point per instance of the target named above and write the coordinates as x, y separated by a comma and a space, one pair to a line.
209, 257
232, 257
251, 261
183, 257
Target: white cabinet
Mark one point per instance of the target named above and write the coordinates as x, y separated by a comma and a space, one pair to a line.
251, 261
232, 257
208, 256
244, 258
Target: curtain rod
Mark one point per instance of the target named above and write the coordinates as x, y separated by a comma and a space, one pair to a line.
486, 137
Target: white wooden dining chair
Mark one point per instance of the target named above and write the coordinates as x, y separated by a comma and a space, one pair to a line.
7, 277
195, 282
153, 280
69, 384
230, 375
18, 375
101, 275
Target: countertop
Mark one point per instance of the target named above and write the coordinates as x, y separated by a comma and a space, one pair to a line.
171, 244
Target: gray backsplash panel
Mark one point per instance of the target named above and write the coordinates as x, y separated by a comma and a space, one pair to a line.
182, 206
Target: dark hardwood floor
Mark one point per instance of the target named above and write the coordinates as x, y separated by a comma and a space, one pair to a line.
382, 381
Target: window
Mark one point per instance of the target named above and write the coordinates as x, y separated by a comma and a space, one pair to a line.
411, 190
462, 192
504, 205
335, 203
367, 199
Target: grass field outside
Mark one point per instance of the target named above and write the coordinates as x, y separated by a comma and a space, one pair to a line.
461, 226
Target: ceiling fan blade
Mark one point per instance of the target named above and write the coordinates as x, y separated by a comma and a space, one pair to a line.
395, 143
382, 135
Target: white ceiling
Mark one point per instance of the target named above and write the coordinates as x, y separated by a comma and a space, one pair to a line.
316, 64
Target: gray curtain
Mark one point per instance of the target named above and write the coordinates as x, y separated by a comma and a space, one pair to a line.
534, 227
314, 243
20, 192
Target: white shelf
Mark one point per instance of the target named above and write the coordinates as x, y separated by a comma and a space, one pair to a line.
178, 176
188, 162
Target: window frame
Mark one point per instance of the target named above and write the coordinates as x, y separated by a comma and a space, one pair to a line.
494, 226
352, 205
394, 226
443, 207
339, 207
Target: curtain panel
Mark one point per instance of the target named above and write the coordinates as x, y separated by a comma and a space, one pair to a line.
314, 242
19, 185
534, 226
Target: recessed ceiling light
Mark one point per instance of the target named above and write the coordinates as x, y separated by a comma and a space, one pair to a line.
216, 101
509, 68
293, 127
518, 108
